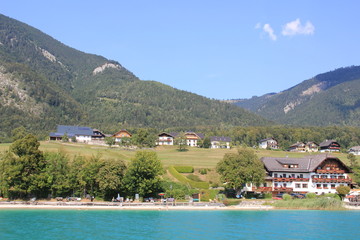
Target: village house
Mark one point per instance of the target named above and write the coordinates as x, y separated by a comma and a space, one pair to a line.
220, 142
81, 134
354, 150
311, 147
166, 138
329, 146
270, 143
120, 135
297, 147
318, 174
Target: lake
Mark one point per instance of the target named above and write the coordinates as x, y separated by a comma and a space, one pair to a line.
216, 224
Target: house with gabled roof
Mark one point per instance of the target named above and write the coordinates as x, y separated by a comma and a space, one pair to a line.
122, 134
166, 138
329, 146
354, 150
297, 147
81, 134
220, 142
268, 143
315, 173
192, 138
311, 147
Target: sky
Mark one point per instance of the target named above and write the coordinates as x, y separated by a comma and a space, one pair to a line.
219, 49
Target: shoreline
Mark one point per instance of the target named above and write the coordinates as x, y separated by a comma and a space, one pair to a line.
119, 206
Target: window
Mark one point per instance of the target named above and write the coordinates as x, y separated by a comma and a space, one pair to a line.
301, 176
275, 175
325, 186
324, 176
297, 185
315, 176
284, 185
318, 185
305, 185
276, 185
332, 186
293, 175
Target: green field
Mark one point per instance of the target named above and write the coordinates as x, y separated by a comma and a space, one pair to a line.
196, 157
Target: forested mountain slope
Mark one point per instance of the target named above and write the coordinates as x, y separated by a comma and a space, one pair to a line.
44, 83
331, 98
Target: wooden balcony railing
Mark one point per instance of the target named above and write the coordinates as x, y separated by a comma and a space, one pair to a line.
291, 179
329, 171
332, 180
283, 189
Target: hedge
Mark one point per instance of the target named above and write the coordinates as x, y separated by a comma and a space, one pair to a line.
184, 169
185, 180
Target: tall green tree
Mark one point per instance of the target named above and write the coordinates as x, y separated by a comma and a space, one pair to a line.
144, 174
25, 170
237, 169
180, 141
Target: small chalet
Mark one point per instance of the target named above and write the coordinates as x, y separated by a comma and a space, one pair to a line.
329, 146
192, 138
123, 133
297, 147
166, 138
316, 173
268, 143
354, 150
81, 134
98, 135
311, 147
220, 142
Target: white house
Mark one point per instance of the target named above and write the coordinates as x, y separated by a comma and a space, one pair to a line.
81, 134
220, 142
354, 150
268, 143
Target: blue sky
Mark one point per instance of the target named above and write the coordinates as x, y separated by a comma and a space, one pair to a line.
218, 49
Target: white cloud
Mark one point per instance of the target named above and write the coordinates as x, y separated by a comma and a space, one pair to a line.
296, 28
268, 29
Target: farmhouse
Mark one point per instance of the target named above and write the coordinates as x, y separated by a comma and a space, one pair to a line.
329, 146
220, 142
311, 147
354, 150
81, 134
268, 143
120, 135
166, 138
317, 174
297, 147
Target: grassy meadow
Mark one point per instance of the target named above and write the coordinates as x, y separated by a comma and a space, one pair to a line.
169, 155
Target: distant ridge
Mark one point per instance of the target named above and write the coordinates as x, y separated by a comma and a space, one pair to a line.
44, 83
331, 98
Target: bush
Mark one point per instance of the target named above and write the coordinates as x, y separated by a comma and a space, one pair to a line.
315, 203
183, 179
286, 197
203, 171
194, 178
184, 169
311, 195
268, 195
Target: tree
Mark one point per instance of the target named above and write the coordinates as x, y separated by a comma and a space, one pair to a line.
237, 169
352, 160
25, 172
18, 133
110, 141
342, 190
65, 138
144, 174
144, 138
206, 143
110, 177
180, 140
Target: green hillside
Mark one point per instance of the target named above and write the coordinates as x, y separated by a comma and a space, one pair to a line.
331, 98
45, 83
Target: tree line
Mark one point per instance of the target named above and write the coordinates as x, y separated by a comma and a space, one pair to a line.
26, 172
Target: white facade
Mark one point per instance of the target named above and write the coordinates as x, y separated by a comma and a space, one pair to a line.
192, 142
166, 140
318, 183
83, 138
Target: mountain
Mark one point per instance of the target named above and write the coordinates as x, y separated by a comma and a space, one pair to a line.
44, 83
331, 98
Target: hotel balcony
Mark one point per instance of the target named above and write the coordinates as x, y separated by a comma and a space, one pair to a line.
329, 171
291, 179
262, 189
332, 180
283, 189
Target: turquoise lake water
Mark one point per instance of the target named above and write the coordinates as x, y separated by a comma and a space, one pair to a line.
130, 224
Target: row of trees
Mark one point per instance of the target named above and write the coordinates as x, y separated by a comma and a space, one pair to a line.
26, 172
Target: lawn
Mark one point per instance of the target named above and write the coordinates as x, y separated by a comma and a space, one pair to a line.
196, 157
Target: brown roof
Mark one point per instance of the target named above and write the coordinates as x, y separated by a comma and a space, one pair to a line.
305, 164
